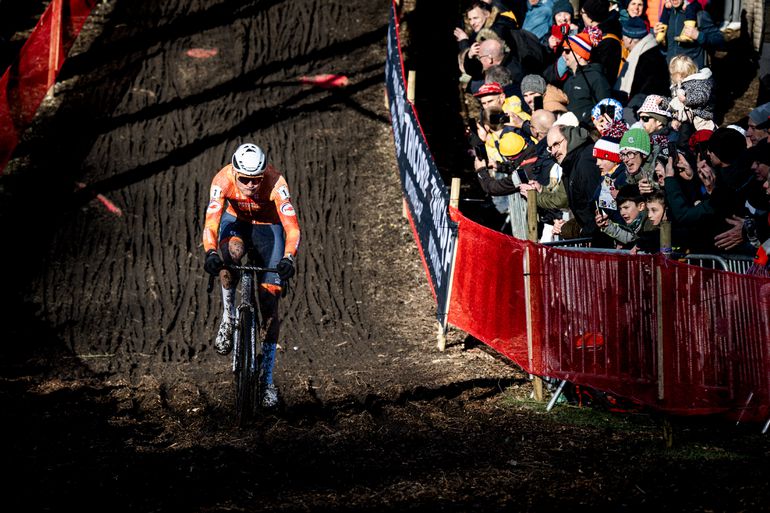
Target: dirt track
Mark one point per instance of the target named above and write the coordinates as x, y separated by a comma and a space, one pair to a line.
113, 397
126, 293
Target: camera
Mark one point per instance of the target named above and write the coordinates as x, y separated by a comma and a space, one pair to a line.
510, 168
560, 32
479, 149
605, 108
506, 167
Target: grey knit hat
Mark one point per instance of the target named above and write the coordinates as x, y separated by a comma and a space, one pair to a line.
533, 83
757, 115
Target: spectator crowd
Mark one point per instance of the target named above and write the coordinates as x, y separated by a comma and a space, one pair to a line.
609, 114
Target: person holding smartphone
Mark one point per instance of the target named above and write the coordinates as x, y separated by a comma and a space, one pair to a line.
538, 94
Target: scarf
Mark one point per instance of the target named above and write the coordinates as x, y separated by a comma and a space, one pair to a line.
626, 78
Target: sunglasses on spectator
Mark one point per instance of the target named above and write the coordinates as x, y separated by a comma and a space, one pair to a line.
567, 50
246, 180
645, 119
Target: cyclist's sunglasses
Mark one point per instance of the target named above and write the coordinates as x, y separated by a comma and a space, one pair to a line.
246, 180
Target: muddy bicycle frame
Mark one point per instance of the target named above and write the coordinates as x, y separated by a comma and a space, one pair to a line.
247, 345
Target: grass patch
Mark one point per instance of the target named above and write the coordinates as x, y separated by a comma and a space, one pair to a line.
519, 398
700, 453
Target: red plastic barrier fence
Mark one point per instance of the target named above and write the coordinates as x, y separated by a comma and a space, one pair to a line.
599, 320
488, 289
26, 82
676, 337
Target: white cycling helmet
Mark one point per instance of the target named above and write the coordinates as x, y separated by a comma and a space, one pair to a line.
249, 160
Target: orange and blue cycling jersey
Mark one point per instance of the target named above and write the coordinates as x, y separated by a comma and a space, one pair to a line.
270, 205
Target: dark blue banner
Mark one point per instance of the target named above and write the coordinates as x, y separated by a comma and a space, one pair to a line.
424, 189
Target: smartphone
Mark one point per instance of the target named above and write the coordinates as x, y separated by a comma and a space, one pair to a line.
607, 109
599, 209
538, 102
673, 152
480, 151
523, 178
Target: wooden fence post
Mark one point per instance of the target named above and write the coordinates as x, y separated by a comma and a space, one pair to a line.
537, 381
665, 237
54, 48
454, 202
410, 85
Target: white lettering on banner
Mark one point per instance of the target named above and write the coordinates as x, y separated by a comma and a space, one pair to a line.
439, 215
427, 185
424, 189
410, 148
392, 50
438, 208
399, 100
414, 200
396, 129
435, 260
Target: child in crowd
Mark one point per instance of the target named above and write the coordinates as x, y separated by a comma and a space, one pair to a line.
633, 208
656, 207
606, 113
692, 100
681, 66
607, 154
649, 236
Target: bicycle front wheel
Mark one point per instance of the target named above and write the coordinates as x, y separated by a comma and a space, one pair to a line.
245, 369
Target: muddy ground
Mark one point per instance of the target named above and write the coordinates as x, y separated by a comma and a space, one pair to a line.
112, 396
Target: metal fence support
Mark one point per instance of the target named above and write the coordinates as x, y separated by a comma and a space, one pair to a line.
734, 263
556, 395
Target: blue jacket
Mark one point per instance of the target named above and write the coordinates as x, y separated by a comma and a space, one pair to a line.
539, 19
709, 37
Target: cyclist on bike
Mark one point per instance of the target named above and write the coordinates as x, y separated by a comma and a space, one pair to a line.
250, 212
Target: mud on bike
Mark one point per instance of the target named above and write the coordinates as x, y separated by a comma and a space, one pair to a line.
247, 341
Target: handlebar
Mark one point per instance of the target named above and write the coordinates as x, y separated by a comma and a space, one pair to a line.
252, 268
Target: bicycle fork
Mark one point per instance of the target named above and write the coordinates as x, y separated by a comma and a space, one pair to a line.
247, 304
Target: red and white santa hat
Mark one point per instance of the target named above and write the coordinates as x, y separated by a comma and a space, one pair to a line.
607, 148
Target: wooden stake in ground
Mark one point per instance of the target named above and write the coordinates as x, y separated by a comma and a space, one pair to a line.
54, 48
454, 202
537, 381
